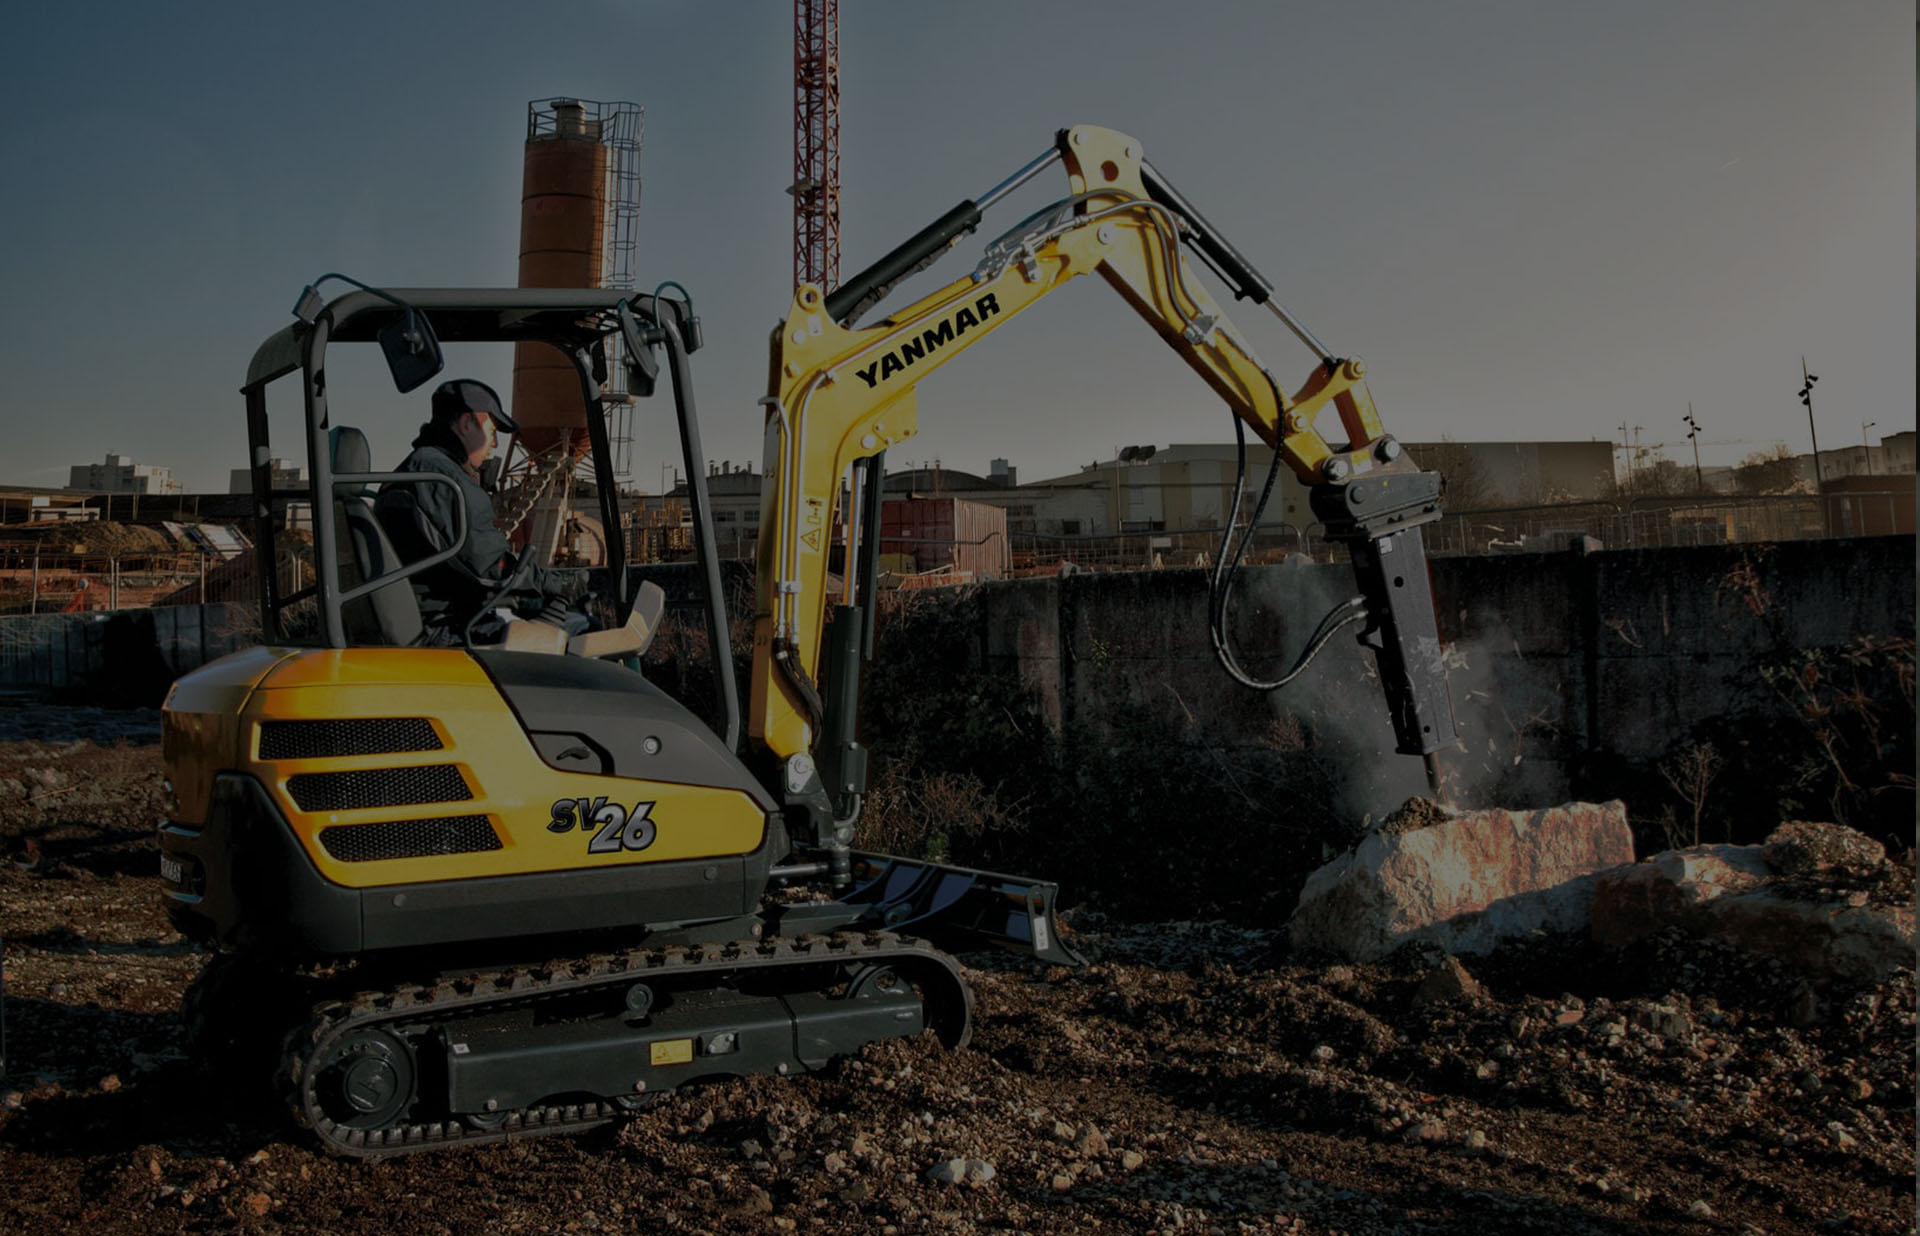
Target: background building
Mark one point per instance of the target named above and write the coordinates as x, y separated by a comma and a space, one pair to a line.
120, 475
286, 475
1190, 486
733, 494
1891, 456
1148, 496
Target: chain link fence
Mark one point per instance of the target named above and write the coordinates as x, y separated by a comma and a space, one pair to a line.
1631, 523
1660, 522
37, 581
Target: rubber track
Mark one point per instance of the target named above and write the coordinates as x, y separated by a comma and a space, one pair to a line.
518, 985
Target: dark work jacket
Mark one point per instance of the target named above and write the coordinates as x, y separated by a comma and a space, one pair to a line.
420, 519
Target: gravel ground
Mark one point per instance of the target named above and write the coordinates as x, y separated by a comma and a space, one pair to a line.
1192, 1079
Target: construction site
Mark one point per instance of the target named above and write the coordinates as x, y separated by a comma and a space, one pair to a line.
1327, 833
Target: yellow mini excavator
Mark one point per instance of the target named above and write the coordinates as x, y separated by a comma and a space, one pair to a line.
476, 891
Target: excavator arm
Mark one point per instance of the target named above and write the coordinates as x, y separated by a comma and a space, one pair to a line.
840, 394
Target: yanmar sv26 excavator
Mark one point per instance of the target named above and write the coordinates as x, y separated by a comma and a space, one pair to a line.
484, 891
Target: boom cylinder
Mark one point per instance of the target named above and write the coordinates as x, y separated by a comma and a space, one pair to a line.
843, 759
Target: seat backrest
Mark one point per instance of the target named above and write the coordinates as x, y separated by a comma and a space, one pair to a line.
389, 614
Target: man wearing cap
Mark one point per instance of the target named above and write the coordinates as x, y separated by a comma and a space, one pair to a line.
421, 519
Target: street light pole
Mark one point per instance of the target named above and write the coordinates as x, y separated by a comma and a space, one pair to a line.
1693, 436
1806, 399
1819, 480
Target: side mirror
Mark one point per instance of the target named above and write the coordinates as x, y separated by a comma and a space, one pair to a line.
412, 350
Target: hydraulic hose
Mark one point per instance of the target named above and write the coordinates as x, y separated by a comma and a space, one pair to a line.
1227, 567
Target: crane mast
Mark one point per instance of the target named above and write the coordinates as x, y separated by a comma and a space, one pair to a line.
816, 142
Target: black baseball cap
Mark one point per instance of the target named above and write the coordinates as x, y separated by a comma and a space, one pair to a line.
451, 399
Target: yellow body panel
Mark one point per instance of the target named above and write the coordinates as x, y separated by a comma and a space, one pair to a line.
322, 667
509, 783
200, 726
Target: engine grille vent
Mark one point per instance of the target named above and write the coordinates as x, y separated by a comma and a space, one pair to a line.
379, 787
366, 843
308, 740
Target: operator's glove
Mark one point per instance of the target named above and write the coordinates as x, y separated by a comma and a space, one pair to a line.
563, 584
570, 586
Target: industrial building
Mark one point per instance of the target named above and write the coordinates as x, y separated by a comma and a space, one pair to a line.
286, 475
120, 475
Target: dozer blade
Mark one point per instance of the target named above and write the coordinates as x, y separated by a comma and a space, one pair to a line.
957, 908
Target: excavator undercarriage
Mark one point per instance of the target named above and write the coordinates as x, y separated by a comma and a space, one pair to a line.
561, 1046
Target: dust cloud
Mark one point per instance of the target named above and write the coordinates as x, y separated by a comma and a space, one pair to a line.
1505, 710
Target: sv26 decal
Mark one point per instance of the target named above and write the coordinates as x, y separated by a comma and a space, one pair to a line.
617, 828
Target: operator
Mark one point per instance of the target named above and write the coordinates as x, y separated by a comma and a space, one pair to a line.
420, 519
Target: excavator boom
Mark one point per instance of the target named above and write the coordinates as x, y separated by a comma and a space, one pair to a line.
841, 394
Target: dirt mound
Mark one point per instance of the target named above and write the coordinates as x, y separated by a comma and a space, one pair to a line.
1190, 1079
95, 537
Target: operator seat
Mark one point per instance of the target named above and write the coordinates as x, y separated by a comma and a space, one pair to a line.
389, 614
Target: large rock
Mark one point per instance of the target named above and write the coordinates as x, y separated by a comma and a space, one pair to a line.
1464, 882
1670, 888
1757, 897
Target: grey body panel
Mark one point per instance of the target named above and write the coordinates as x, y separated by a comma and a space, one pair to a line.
617, 710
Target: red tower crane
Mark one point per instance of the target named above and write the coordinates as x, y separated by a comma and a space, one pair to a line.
816, 143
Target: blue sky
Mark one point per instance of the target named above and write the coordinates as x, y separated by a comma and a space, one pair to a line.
1533, 219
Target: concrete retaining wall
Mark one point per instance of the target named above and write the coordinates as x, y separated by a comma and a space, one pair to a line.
1556, 657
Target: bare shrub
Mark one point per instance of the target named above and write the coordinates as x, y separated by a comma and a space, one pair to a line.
1690, 772
1856, 706
922, 813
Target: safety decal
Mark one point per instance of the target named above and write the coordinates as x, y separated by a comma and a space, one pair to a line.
670, 1051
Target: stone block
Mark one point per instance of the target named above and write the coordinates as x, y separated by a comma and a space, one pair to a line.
1733, 893
1465, 882
1669, 887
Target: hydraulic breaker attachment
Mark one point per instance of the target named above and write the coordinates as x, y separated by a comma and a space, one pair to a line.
1378, 516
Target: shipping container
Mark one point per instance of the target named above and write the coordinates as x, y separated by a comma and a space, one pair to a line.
969, 538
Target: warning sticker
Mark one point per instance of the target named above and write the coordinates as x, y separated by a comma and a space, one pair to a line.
670, 1051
